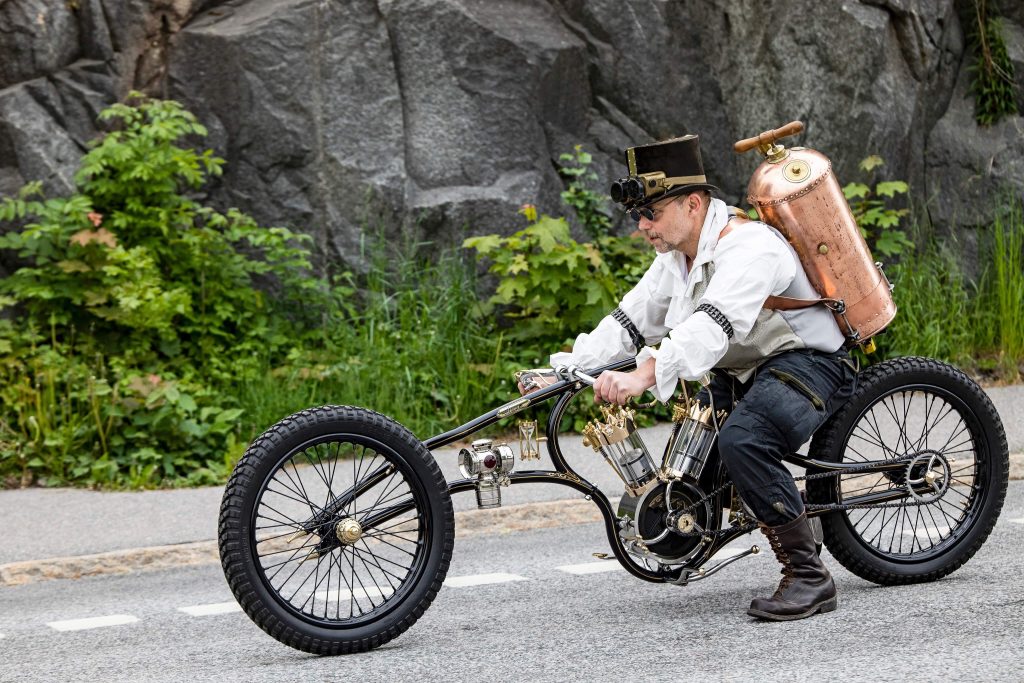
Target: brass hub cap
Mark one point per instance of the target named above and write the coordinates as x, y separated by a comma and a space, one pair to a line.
686, 523
348, 531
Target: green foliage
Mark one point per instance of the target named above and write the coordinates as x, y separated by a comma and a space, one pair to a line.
150, 272
942, 314
416, 348
993, 83
934, 311
151, 307
552, 287
71, 418
590, 206
878, 222
1001, 293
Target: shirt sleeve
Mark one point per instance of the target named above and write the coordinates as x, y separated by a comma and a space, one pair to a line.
751, 263
645, 305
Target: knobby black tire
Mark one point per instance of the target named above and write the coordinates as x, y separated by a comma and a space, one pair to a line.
246, 570
913, 378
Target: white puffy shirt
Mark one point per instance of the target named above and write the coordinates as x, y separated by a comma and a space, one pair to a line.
750, 264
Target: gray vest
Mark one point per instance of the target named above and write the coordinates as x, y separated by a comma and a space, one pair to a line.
776, 331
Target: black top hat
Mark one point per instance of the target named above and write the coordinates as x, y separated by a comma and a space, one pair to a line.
660, 170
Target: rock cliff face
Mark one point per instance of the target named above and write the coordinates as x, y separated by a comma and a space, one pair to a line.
343, 116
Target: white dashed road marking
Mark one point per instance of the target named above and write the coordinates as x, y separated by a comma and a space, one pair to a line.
211, 609
591, 567
928, 533
1018, 521
345, 594
92, 622
481, 579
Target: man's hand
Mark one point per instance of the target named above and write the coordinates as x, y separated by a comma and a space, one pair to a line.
619, 387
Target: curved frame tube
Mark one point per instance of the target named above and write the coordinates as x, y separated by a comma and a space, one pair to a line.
565, 475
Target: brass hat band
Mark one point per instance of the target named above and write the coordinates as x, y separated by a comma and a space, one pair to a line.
684, 180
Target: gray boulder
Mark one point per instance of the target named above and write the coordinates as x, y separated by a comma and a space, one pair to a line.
440, 118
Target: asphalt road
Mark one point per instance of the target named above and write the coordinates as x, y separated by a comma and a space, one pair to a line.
548, 624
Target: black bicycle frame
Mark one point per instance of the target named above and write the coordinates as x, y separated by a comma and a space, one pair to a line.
564, 474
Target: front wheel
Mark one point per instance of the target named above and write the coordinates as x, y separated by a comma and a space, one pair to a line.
336, 530
943, 505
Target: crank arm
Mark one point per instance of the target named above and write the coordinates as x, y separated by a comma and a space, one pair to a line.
687, 575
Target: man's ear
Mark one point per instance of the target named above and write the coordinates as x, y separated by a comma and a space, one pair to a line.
693, 202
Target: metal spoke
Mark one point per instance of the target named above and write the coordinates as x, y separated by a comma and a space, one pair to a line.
369, 573
375, 560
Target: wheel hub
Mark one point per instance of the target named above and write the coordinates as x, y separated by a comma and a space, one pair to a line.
928, 476
348, 531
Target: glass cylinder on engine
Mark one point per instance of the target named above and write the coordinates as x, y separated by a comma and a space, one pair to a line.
632, 460
616, 439
691, 443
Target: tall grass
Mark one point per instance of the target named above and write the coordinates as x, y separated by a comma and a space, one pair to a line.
933, 307
1000, 310
944, 315
414, 349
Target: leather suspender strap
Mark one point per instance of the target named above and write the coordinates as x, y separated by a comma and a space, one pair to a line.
631, 329
778, 303
785, 303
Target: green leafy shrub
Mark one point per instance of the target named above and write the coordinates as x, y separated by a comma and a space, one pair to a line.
132, 278
149, 271
878, 222
993, 83
550, 286
590, 206
75, 418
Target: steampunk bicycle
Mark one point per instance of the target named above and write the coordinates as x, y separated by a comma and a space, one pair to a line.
336, 528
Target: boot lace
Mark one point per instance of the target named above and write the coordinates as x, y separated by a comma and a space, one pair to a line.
782, 557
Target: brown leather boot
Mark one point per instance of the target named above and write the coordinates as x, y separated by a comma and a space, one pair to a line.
806, 587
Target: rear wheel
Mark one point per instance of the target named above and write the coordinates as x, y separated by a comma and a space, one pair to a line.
952, 487
336, 530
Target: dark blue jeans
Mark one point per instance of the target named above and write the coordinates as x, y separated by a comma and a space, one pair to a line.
772, 414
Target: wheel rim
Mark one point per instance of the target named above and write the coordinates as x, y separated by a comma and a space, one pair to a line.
351, 570
910, 420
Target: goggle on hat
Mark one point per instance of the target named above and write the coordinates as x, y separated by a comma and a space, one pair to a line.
660, 170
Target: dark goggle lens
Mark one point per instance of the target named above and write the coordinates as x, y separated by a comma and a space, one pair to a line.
637, 214
618, 191
635, 189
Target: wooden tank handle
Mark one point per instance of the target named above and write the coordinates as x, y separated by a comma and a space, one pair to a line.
769, 137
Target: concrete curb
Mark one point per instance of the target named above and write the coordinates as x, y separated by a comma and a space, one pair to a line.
468, 523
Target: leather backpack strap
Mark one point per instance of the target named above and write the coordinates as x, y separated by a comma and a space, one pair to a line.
775, 303
736, 220
785, 303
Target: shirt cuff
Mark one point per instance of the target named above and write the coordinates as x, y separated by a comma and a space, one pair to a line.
608, 342
664, 380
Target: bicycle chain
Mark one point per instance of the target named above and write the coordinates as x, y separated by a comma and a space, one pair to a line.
751, 526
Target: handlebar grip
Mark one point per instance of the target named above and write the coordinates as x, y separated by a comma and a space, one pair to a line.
769, 137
